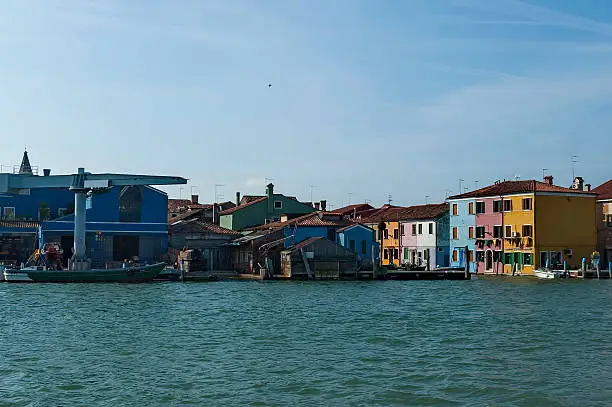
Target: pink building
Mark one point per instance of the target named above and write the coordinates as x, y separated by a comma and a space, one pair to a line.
489, 235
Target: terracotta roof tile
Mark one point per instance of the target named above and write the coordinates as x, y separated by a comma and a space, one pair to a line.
179, 205
517, 187
203, 227
329, 219
422, 212
351, 209
604, 191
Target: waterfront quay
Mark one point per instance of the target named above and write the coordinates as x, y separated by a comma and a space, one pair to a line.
508, 228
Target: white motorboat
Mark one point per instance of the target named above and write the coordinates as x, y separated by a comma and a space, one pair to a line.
21, 275
548, 274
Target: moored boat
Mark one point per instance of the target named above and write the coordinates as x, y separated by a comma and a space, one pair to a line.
20, 275
134, 274
547, 274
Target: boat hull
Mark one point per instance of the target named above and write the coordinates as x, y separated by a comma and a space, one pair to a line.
16, 276
123, 275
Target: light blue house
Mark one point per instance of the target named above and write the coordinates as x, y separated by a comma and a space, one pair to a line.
462, 232
359, 239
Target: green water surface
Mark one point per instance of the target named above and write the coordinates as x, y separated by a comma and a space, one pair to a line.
497, 342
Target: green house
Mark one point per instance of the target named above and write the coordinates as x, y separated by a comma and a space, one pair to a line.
260, 211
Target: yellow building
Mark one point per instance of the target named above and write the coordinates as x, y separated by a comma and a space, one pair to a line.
519, 233
390, 236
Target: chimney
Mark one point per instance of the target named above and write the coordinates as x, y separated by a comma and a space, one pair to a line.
324, 205
578, 184
270, 195
548, 179
194, 199
587, 187
237, 198
316, 205
46, 172
215, 213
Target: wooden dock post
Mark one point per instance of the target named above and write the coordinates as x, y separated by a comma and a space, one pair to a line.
468, 275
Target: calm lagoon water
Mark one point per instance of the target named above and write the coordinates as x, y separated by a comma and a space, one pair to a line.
499, 342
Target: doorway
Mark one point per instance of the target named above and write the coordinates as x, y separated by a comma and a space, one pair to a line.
125, 247
489, 260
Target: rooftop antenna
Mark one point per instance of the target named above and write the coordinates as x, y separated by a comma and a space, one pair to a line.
544, 172
461, 184
476, 184
312, 187
426, 199
390, 199
447, 192
517, 177
216, 193
574, 161
266, 180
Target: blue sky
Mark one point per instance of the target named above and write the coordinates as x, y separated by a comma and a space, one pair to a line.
368, 97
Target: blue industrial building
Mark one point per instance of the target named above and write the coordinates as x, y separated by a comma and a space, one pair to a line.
122, 222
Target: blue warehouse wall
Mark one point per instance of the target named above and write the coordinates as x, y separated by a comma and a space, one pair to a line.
27, 205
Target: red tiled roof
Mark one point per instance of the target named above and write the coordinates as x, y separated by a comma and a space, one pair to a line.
18, 224
329, 219
604, 191
199, 226
351, 209
237, 208
517, 187
186, 215
422, 212
249, 198
178, 205
384, 213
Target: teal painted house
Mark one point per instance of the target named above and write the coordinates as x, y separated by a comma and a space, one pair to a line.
359, 239
263, 210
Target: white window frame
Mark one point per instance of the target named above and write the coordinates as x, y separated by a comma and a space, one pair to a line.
484, 205
527, 224
505, 229
530, 204
4, 213
504, 205
502, 232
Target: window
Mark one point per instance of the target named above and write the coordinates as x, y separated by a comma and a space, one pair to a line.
508, 258
44, 213
386, 254
352, 245
471, 208
420, 228
508, 231
62, 212
278, 205
471, 232
364, 247
527, 204
480, 232
431, 225
543, 259
395, 233
380, 234
528, 259
480, 256
527, 231
396, 253
507, 205
130, 204
471, 257
455, 255
497, 231
9, 213
609, 221
556, 259
455, 233
414, 229
386, 233
497, 206
402, 230
480, 207
455, 210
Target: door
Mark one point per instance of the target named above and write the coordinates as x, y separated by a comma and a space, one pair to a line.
518, 259
489, 260
461, 257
